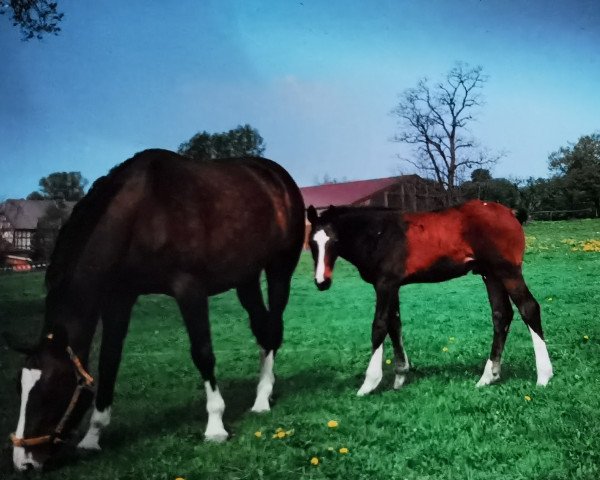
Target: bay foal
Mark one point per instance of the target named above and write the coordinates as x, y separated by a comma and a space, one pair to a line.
391, 249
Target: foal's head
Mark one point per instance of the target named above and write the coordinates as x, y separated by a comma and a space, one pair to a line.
54, 397
323, 242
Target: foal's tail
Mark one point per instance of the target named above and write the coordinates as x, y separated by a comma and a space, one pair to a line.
521, 214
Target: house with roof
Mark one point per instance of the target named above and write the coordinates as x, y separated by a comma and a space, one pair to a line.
19, 221
409, 193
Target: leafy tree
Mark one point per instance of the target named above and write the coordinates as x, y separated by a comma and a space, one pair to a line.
578, 166
61, 186
484, 187
435, 119
48, 226
35, 18
242, 141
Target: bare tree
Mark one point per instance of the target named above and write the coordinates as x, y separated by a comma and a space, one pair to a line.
436, 119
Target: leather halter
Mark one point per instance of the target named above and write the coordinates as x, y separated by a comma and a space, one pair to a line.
84, 382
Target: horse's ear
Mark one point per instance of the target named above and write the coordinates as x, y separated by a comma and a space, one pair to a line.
14, 345
311, 214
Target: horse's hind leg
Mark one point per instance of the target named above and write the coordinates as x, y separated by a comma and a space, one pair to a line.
115, 321
530, 312
502, 315
251, 298
194, 309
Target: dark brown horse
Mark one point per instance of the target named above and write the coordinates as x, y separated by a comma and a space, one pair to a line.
158, 223
391, 249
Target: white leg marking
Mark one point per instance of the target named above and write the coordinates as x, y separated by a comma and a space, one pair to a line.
491, 373
374, 373
22, 459
321, 238
542, 360
215, 406
265, 383
99, 421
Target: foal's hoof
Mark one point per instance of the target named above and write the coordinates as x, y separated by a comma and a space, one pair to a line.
399, 381
261, 406
544, 377
218, 436
368, 386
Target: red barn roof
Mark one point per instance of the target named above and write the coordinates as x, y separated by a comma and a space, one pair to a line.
347, 193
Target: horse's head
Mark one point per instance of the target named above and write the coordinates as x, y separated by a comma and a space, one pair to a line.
323, 240
55, 393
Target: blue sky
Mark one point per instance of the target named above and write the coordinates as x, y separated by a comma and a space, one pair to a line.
316, 78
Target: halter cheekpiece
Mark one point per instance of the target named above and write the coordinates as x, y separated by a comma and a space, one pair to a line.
85, 382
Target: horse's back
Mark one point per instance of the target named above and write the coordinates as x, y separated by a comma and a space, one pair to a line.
220, 221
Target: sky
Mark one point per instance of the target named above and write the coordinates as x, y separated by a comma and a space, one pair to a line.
318, 79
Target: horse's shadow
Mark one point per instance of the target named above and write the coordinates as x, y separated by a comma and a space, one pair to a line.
239, 394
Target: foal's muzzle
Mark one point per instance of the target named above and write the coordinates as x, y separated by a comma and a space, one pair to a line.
324, 285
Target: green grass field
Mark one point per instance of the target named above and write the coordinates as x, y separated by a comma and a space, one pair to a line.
439, 426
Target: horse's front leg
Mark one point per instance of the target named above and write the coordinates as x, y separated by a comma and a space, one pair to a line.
387, 305
194, 309
115, 321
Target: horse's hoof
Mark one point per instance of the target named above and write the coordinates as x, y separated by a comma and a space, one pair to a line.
217, 436
368, 385
91, 445
261, 406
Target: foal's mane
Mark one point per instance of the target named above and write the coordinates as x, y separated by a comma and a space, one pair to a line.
76, 231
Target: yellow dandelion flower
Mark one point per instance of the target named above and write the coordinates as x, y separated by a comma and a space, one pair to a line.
388, 362
180, 478
280, 434
586, 337
314, 461
344, 450
332, 423
527, 398
445, 349
258, 434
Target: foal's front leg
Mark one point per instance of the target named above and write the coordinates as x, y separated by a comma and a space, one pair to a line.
386, 307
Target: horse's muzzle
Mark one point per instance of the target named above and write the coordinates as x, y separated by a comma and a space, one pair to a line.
324, 285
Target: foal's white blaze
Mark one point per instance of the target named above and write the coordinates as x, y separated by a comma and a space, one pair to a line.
542, 359
29, 377
99, 421
374, 373
265, 383
215, 406
321, 239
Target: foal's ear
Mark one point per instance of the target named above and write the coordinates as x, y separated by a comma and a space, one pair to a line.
311, 214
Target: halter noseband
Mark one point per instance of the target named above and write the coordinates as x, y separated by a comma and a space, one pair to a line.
84, 382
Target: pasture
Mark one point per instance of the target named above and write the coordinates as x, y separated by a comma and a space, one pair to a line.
438, 426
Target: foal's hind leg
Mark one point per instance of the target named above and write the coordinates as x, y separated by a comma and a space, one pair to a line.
194, 309
250, 297
530, 312
502, 315
115, 320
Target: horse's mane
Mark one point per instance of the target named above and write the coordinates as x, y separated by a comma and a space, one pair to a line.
76, 231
